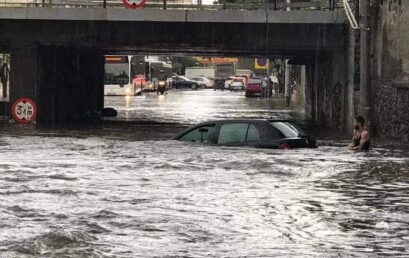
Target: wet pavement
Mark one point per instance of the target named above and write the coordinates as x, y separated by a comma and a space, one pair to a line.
128, 191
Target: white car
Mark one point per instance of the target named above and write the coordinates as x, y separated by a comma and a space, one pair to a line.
228, 82
203, 81
237, 84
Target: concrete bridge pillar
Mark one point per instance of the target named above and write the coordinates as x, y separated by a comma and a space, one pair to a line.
326, 90
66, 82
23, 73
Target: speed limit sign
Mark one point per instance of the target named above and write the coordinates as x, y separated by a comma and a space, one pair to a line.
24, 110
134, 4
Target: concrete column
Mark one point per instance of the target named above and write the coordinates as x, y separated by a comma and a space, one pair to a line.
349, 103
330, 81
287, 83
71, 85
303, 83
339, 82
65, 82
23, 73
309, 94
365, 84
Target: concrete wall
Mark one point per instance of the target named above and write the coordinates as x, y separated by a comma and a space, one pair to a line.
390, 69
71, 89
65, 82
326, 90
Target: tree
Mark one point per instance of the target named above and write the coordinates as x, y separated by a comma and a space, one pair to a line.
180, 63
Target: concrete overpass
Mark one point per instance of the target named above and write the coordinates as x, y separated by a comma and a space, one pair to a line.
58, 52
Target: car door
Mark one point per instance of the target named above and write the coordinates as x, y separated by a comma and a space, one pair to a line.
238, 134
271, 137
186, 83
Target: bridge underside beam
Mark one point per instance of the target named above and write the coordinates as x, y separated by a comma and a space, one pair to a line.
195, 38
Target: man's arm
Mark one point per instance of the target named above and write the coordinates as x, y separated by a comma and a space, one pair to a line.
364, 138
351, 145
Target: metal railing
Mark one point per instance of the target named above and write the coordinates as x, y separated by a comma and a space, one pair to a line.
174, 5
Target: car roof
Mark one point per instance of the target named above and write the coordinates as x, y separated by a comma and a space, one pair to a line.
229, 121
239, 121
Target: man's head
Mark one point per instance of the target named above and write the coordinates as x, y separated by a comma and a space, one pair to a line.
359, 122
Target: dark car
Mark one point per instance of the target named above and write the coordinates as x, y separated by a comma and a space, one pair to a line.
275, 134
183, 82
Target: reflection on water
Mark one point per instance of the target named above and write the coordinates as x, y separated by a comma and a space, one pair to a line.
190, 107
101, 197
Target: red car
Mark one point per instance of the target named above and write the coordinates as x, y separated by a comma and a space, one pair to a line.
253, 87
139, 80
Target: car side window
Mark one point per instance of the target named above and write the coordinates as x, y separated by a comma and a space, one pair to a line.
233, 133
252, 134
199, 134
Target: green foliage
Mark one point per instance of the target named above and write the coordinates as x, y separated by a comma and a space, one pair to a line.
180, 63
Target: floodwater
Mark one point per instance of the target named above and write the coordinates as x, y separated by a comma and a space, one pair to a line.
76, 194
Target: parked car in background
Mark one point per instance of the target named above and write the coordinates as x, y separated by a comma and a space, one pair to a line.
183, 82
253, 87
203, 81
228, 81
238, 83
139, 81
244, 76
218, 84
275, 134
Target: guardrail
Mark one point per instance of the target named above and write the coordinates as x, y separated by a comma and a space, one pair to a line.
172, 5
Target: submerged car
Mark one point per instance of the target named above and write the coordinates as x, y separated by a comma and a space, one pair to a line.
274, 134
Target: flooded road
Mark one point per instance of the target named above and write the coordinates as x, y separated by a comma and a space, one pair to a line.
190, 107
74, 194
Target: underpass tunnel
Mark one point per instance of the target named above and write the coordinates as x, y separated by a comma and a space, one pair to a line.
69, 83
129, 74
62, 65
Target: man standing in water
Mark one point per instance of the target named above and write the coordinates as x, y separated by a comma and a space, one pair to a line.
360, 138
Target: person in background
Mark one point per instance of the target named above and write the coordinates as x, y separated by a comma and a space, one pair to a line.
4, 76
360, 138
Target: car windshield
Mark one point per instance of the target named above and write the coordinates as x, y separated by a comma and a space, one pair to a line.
288, 129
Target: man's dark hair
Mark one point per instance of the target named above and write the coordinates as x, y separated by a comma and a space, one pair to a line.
360, 120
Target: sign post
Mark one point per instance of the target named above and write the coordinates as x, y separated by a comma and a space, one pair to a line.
24, 111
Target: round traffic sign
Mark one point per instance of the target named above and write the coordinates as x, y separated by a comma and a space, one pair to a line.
261, 61
24, 110
134, 4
